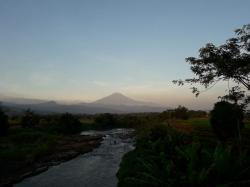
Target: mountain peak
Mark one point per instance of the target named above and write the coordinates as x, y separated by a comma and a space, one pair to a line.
117, 94
117, 99
50, 102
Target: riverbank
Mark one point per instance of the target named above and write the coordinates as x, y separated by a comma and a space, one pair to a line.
34, 152
97, 168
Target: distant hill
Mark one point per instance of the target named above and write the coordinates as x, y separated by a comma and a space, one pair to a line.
114, 103
19, 100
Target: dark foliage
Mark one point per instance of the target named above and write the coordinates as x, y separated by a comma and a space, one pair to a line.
181, 112
68, 124
106, 120
29, 120
165, 157
226, 120
4, 125
237, 96
197, 114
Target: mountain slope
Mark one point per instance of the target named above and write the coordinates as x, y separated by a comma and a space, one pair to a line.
115, 103
119, 99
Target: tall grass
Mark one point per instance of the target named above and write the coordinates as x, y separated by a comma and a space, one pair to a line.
165, 157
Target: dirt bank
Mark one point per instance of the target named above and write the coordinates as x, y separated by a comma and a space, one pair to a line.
66, 148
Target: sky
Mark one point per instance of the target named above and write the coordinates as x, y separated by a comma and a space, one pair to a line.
86, 49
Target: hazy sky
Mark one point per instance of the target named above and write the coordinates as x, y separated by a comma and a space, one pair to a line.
86, 49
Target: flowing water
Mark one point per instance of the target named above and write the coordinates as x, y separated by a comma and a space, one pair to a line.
95, 169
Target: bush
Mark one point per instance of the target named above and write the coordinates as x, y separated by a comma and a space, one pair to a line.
4, 125
68, 124
226, 120
106, 120
181, 113
152, 163
29, 120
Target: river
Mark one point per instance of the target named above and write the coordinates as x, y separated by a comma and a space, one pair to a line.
94, 169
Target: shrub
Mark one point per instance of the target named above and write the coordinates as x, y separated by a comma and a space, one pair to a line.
181, 113
165, 157
29, 119
4, 125
106, 120
226, 120
68, 124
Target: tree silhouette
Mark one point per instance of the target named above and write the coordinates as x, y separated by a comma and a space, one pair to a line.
181, 112
4, 125
226, 120
68, 124
29, 119
228, 62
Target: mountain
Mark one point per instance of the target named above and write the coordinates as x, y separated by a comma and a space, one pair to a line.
114, 103
19, 100
119, 99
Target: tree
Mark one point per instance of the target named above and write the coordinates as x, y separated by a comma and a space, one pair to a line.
227, 62
68, 124
29, 119
106, 120
226, 120
181, 112
4, 125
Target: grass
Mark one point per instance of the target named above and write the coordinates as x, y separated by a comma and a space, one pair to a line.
199, 122
26, 144
204, 122
86, 121
194, 122
166, 157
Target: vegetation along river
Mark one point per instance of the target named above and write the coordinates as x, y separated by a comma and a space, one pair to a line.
95, 169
